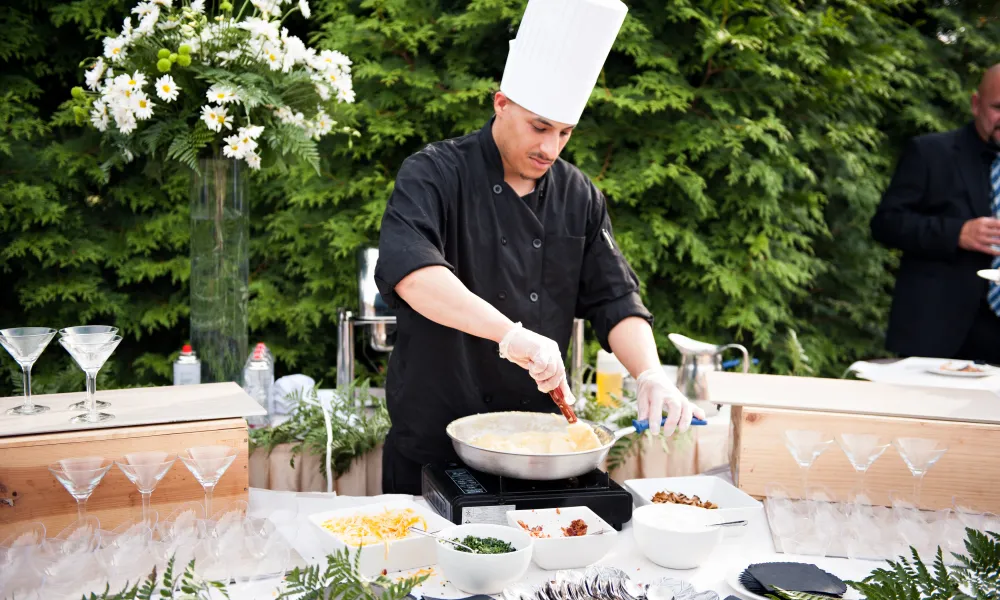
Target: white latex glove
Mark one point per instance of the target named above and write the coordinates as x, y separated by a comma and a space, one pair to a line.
536, 353
655, 392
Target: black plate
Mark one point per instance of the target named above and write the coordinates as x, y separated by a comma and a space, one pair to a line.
794, 577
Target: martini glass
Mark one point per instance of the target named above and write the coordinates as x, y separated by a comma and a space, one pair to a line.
145, 470
91, 357
862, 449
80, 477
806, 446
919, 454
207, 464
26, 344
89, 334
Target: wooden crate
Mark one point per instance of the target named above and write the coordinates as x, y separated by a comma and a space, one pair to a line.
38, 496
969, 469
765, 406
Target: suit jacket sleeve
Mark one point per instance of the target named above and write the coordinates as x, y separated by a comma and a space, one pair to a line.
902, 220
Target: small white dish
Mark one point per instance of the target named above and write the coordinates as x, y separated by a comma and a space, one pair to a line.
558, 551
734, 504
411, 552
952, 369
484, 573
676, 536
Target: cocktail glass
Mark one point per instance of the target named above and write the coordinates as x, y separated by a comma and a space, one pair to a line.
91, 357
862, 450
806, 446
207, 464
919, 454
26, 344
145, 470
80, 477
89, 334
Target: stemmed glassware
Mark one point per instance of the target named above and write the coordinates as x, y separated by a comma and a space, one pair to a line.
862, 449
806, 446
919, 454
89, 334
26, 344
90, 356
207, 464
145, 470
80, 477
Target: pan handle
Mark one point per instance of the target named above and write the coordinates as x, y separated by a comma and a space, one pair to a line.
643, 425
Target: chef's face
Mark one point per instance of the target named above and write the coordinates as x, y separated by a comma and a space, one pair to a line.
986, 106
528, 143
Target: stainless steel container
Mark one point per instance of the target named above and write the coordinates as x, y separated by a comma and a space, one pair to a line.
371, 305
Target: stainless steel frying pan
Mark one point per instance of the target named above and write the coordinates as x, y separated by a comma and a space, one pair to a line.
537, 467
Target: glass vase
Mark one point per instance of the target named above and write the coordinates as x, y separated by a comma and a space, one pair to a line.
220, 244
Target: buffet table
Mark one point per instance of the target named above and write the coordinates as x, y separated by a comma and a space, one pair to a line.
741, 548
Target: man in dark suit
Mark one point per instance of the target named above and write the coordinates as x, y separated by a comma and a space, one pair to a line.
941, 210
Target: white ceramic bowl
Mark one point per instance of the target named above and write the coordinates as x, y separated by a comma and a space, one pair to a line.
484, 573
734, 504
559, 552
676, 536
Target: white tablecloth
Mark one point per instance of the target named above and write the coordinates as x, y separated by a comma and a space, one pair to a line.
737, 551
913, 371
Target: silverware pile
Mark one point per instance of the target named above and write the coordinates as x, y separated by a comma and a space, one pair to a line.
605, 583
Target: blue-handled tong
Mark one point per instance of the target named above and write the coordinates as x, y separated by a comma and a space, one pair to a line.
643, 425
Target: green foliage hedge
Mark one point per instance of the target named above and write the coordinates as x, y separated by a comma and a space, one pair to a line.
743, 145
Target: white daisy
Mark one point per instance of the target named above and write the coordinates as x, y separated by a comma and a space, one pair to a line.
198, 6
268, 7
304, 8
322, 124
272, 56
169, 23
233, 148
164, 3
125, 120
166, 89
148, 23
99, 115
114, 48
142, 106
93, 76
127, 31
332, 58
137, 81
253, 159
261, 28
250, 132
215, 118
220, 94
345, 95
144, 8
323, 91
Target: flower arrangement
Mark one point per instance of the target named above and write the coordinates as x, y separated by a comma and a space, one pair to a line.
185, 80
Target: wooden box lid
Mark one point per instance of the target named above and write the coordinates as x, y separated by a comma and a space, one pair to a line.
855, 397
132, 407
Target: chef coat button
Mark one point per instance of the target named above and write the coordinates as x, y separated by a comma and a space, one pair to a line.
487, 398
537, 243
502, 295
503, 241
533, 296
497, 189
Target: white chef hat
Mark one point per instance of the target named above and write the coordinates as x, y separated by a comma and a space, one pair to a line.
560, 48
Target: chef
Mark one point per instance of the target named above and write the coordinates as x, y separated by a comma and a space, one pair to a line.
491, 245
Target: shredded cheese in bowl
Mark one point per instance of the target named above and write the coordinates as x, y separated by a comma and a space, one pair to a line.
374, 528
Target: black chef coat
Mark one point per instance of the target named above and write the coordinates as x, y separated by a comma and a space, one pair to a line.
541, 265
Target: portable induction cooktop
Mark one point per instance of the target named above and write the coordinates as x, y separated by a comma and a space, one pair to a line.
463, 495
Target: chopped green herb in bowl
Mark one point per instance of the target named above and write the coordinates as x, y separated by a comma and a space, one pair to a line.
484, 545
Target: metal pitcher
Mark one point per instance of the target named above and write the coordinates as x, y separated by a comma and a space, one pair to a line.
697, 359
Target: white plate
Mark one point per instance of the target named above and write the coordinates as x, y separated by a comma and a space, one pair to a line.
733, 579
990, 274
734, 504
986, 371
560, 552
412, 552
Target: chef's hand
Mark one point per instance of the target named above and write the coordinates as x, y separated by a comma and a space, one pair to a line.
536, 353
655, 392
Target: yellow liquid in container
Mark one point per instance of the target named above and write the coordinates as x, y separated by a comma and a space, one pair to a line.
609, 383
